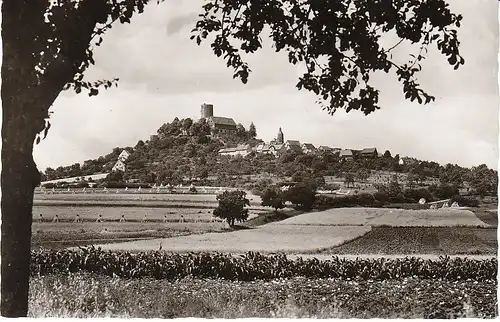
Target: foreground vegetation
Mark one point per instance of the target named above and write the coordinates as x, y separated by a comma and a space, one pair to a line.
253, 266
93, 283
86, 295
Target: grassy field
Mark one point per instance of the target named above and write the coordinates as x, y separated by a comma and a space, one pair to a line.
267, 239
388, 217
84, 296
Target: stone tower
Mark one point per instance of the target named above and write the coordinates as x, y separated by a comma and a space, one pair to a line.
207, 110
280, 138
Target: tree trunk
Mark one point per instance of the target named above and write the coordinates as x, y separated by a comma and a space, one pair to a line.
26, 98
25, 104
19, 178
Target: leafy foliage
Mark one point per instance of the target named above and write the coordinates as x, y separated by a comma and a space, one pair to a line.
301, 195
232, 206
338, 42
272, 197
254, 266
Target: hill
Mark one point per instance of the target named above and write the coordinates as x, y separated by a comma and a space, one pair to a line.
185, 151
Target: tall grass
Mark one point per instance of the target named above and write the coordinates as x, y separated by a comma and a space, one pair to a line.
86, 295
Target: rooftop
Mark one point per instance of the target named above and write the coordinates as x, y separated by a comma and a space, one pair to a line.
223, 120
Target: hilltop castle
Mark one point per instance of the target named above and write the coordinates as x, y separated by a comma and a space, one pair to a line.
218, 124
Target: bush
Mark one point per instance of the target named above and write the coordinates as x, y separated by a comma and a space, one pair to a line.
323, 202
193, 190
301, 195
414, 195
465, 202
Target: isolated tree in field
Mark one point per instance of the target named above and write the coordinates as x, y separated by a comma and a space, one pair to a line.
48, 45
348, 179
363, 174
232, 206
252, 131
273, 198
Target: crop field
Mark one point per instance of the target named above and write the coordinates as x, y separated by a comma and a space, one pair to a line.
121, 196
267, 238
388, 217
86, 213
65, 234
93, 283
422, 240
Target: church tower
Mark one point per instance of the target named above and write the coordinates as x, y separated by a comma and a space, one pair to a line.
280, 139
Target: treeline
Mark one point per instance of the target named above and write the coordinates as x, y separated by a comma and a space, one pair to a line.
303, 196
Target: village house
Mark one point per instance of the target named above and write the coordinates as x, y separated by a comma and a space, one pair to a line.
119, 166
324, 148
346, 154
369, 153
276, 149
308, 148
292, 145
123, 155
263, 148
242, 149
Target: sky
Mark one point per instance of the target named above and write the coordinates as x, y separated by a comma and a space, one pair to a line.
163, 74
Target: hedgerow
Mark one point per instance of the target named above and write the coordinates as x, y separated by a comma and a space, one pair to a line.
254, 266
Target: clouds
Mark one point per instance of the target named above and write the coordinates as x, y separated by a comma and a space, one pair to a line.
163, 74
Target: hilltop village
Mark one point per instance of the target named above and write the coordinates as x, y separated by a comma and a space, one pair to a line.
278, 145
219, 152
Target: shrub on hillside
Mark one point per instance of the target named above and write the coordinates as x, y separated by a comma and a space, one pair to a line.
465, 202
323, 202
302, 196
414, 195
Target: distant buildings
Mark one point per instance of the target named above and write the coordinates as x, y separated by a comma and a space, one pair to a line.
369, 153
120, 164
277, 146
243, 150
308, 148
218, 124
346, 154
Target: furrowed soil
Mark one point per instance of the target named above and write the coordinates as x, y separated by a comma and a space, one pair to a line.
90, 296
64, 234
422, 240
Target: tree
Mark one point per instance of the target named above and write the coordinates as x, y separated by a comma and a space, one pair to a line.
273, 198
252, 131
387, 154
48, 46
394, 188
232, 206
363, 174
348, 179
301, 195
410, 180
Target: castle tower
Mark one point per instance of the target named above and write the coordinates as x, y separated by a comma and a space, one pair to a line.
207, 110
280, 138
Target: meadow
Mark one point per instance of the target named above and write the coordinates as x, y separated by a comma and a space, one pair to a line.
389, 217
265, 239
